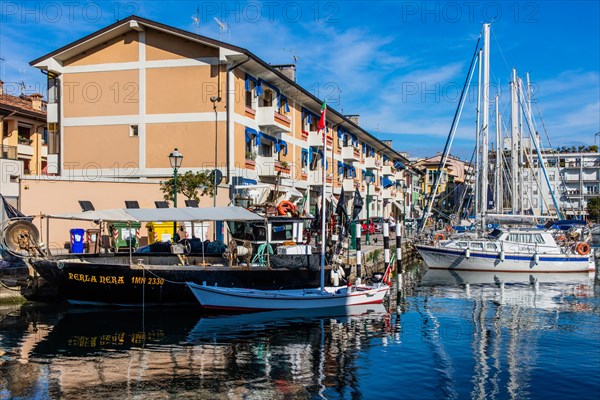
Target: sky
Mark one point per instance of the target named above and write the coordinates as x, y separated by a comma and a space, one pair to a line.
400, 65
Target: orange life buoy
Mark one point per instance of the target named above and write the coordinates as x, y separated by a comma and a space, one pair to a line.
439, 236
583, 248
285, 207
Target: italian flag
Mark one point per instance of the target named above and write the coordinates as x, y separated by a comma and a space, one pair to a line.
321, 123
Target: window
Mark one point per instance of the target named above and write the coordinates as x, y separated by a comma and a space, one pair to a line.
249, 85
477, 246
249, 149
491, 247
265, 149
267, 98
551, 176
525, 238
133, 130
304, 160
44, 136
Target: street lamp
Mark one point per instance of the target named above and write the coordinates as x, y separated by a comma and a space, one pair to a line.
175, 158
369, 177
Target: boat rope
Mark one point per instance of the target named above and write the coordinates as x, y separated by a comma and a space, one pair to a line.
157, 276
8, 287
261, 254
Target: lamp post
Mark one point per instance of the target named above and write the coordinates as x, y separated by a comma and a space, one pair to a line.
369, 178
175, 158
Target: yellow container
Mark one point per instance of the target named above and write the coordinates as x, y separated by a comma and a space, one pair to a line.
159, 231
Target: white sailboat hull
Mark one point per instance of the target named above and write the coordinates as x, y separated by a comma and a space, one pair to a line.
214, 297
436, 257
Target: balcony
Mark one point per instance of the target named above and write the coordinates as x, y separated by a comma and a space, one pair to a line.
348, 185
271, 121
399, 175
315, 178
388, 170
350, 153
371, 163
314, 139
388, 193
25, 150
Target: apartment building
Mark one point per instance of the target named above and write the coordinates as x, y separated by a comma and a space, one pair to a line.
122, 98
574, 179
23, 132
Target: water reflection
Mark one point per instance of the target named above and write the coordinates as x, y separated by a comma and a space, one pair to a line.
99, 353
451, 336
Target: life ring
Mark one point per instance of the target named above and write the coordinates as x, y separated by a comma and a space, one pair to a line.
583, 248
439, 236
285, 207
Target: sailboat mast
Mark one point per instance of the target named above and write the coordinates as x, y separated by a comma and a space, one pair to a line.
485, 116
514, 133
478, 137
324, 203
499, 197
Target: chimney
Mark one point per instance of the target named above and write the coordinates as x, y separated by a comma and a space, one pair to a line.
353, 118
1, 87
36, 101
289, 70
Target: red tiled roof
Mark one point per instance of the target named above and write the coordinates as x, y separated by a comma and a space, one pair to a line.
23, 103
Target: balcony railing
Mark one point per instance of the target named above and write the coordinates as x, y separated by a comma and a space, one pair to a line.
371, 163
388, 170
350, 153
268, 119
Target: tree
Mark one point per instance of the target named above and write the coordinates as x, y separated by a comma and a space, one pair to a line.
593, 208
593, 149
191, 185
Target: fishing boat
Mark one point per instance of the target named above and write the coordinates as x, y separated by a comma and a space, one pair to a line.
136, 278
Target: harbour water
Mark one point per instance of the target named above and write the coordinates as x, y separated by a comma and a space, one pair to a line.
446, 336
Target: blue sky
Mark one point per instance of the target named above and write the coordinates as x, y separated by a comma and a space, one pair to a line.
399, 64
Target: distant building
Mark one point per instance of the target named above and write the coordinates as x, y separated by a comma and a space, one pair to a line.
453, 181
23, 132
574, 178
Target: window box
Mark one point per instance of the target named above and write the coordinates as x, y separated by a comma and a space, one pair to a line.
250, 164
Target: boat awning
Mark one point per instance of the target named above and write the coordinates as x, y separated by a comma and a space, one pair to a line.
164, 215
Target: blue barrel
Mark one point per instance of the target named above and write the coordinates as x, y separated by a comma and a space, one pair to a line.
77, 240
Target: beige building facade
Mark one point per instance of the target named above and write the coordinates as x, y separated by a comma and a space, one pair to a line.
121, 99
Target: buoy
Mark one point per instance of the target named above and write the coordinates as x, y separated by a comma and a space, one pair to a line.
502, 255
335, 278
285, 207
467, 253
583, 248
439, 236
536, 258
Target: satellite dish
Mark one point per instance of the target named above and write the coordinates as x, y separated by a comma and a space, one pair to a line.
216, 176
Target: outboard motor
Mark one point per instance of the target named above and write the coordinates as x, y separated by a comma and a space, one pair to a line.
377, 277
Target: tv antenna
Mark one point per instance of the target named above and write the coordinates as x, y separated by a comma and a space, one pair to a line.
294, 54
196, 19
223, 27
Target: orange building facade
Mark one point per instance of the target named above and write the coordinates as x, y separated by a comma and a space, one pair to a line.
121, 99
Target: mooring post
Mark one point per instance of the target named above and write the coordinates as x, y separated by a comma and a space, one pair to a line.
386, 248
399, 270
358, 254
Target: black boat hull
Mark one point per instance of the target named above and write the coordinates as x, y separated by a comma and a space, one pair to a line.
121, 284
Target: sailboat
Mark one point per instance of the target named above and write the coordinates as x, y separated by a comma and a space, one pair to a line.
243, 299
504, 249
